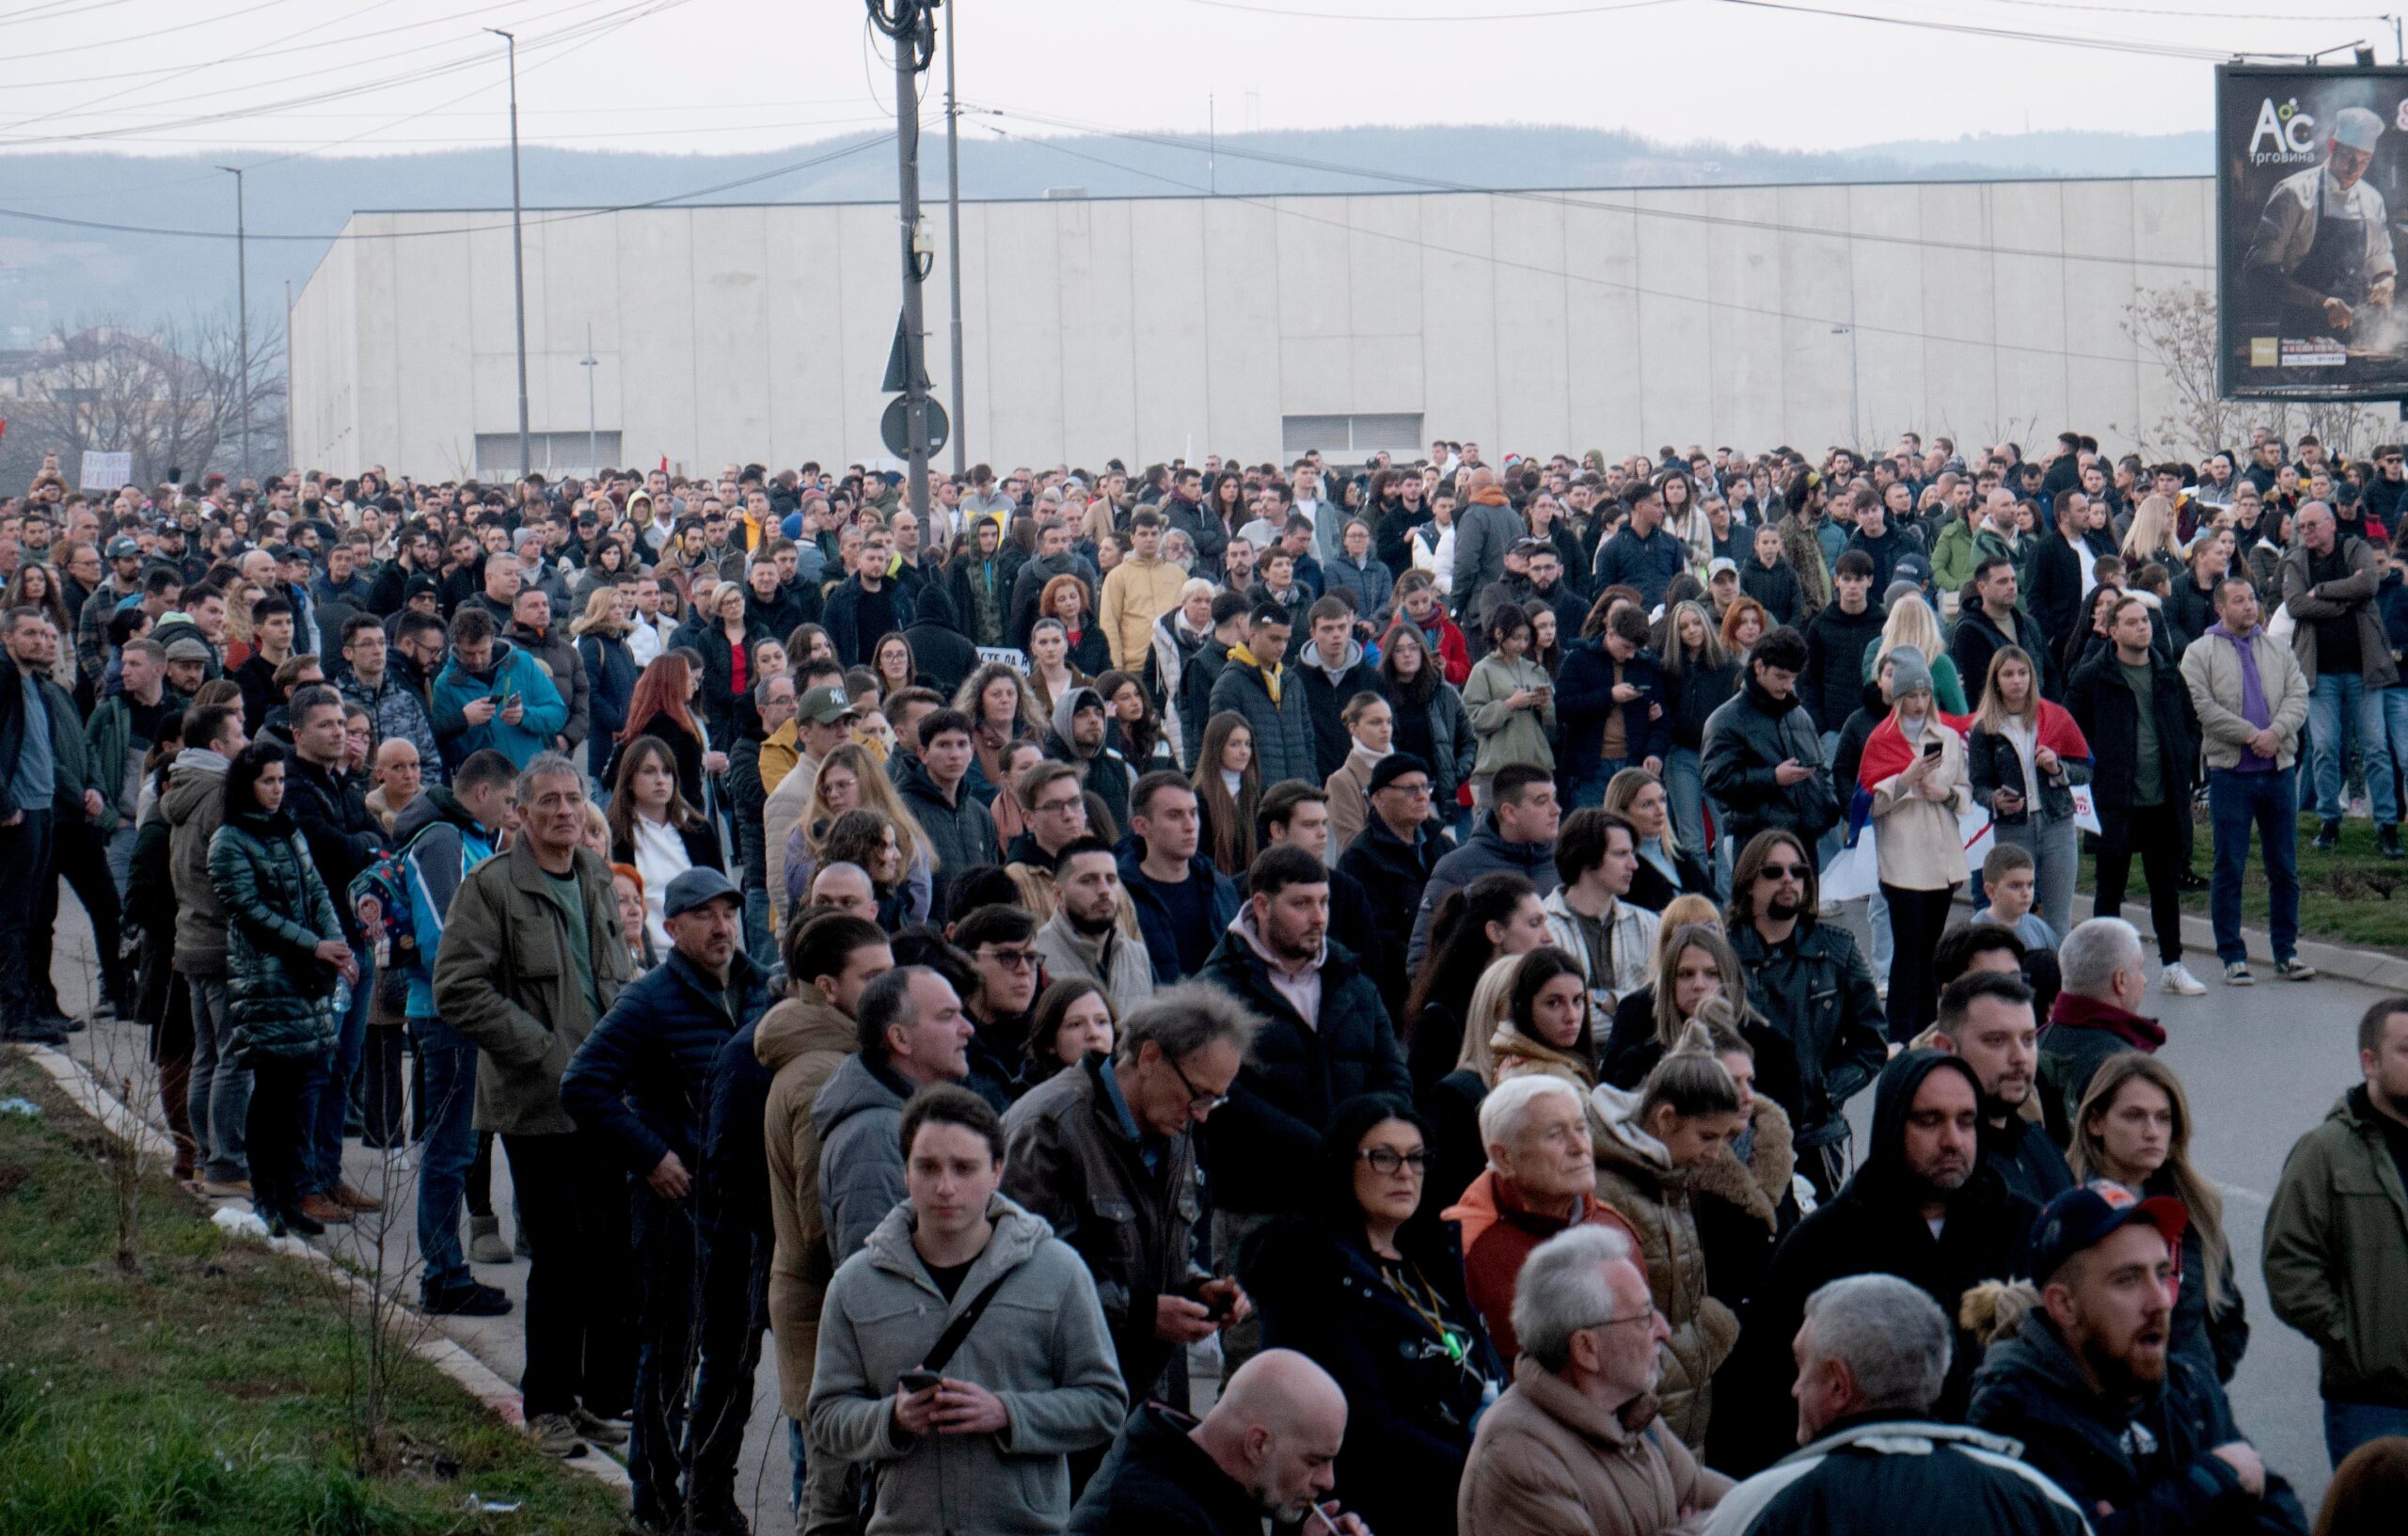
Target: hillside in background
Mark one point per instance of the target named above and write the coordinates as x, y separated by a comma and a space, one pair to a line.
59, 272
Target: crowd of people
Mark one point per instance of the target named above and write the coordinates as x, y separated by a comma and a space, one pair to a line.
1360, 925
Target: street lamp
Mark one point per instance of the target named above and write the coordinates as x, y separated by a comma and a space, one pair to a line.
517, 253
242, 319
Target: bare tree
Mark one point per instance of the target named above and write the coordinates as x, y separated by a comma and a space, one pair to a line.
173, 396
2177, 328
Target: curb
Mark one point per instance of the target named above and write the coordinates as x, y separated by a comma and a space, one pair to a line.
436, 1348
2374, 967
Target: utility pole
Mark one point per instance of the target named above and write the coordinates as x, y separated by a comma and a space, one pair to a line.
1211, 147
953, 252
910, 27
242, 320
517, 253
593, 439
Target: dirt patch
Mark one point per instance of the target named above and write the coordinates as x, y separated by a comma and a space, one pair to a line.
13, 1176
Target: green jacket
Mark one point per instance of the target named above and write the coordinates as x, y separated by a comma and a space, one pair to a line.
1953, 556
503, 979
278, 993
2337, 1254
108, 739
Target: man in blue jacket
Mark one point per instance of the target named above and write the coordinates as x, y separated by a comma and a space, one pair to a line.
642, 1083
1183, 903
506, 699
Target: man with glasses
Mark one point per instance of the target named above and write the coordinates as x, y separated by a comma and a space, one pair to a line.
1107, 1152
395, 710
1055, 811
1393, 859
1325, 1038
1575, 1433
1001, 943
1815, 991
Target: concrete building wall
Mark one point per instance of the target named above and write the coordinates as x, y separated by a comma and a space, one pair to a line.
1148, 328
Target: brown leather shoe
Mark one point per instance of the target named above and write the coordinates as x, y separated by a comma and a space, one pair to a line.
344, 1195
319, 1208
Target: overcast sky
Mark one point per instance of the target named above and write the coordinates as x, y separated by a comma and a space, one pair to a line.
709, 75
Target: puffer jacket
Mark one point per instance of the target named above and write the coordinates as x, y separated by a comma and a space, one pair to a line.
802, 1041
278, 993
1041, 1347
1454, 746
1282, 726
961, 830
640, 1079
610, 674
503, 979
1328, 689
1069, 1159
859, 1115
1484, 852
193, 804
1635, 1176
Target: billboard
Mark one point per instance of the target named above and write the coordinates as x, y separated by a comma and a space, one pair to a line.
2311, 203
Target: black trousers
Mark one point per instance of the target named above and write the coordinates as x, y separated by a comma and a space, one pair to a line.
735, 1313
572, 1199
2155, 832
277, 1132
379, 1086
24, 849
1917, 919
669, 1260
79, 854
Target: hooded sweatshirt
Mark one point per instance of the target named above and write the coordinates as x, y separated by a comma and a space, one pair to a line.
453, 843
194, 805
1105, 771
1328, 689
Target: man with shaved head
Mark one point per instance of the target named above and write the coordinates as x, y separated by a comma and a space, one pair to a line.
1268, 1447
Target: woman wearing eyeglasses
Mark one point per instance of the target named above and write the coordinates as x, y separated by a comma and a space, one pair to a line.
1684, 1117
1369, 1285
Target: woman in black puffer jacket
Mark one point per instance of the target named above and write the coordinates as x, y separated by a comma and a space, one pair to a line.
285, 953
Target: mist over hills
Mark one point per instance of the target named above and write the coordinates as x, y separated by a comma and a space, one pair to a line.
54, 274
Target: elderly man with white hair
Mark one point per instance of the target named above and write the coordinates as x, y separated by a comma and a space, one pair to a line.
1540, 1180
1574, 1448
1870, 1359
2096, 1016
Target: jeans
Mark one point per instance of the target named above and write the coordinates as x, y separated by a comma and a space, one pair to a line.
669, 1261
25, 852
2350, 1425
2334, 699
2149, 830
798, 1452
334, 1104
572, 1197
2395, 719
219, 1100
735, 1312
451, 1145
1827, 847
1885, 937
760, 936
2267, 805
2055, 848
1917, 918
121, 858
1591, 789
1685, 787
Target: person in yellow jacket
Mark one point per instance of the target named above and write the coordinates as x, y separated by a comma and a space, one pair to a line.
1141, 589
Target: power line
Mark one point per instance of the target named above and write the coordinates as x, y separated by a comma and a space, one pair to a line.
1560, 199
2114, 45
567, 216
1285, 210
160, 32
2181, 15
51, 9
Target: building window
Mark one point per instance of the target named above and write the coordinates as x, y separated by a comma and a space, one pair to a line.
1351, 436
553, 452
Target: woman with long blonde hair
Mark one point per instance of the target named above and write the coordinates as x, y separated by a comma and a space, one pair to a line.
858, 784
2154, 535
1911, 623
2024, 754
2134, 1127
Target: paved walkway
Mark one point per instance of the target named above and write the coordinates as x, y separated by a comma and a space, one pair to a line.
2261, 1065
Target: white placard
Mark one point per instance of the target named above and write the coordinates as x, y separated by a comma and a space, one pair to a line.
1009, 655
107, 471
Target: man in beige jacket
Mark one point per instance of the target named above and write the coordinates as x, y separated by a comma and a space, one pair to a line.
2251, 698
1141, 589
1574, 1445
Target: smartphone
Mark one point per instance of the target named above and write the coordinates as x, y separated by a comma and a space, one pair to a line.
1931, 748
917, 1380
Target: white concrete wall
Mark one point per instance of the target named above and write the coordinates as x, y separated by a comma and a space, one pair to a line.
1143, 328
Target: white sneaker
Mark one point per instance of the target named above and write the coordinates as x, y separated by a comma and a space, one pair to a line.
2178, 980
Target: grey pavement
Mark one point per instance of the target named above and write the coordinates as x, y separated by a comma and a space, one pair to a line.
2261, 1066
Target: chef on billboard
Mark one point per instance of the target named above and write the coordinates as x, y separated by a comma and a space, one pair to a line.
2322, 251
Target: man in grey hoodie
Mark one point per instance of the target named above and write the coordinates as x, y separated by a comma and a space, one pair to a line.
1077, 738
219, 1100
962, 1283
1333, 671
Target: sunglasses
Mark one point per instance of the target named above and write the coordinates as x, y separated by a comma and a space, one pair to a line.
1783, 872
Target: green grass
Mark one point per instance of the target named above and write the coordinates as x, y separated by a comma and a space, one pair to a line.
2349, 897
208, 1390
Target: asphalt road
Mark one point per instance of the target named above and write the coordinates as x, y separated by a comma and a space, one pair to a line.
2261, 1065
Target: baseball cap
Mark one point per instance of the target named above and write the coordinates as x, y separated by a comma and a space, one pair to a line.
122, 548
2084, 1216
1722, 565
825, 706
696, 888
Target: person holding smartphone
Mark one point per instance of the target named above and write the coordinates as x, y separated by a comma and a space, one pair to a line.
1914, 769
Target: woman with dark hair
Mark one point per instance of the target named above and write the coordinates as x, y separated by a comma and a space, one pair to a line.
1495, 914
1429, 720
1228, 791
285, 953
661, 707
1003, 710
1511, 701
655, 829
892, 663
1133, 726
1528, 1013
866, 839
809, 642
605, 561
1073, 1018
2368, 1492
1679, 1120
1369, 1286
